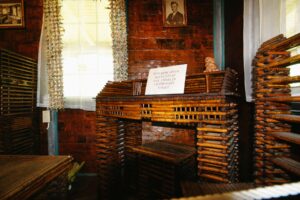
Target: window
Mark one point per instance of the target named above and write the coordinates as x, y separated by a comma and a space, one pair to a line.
292, 28
87, 51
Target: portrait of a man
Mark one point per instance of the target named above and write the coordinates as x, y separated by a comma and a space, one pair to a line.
174, 13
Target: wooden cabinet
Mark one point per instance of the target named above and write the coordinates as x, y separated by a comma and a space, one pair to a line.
208, 106
276, 140
18, 86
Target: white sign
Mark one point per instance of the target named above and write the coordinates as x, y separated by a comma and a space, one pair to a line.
166, 80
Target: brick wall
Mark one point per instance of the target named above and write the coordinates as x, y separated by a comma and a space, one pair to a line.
152, 45
25, 40
77, 132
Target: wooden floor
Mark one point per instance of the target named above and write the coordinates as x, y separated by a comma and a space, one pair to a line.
84, 188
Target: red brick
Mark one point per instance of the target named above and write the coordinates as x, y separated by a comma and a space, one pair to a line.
149, 41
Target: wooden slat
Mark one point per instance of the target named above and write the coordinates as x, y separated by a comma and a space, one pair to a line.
288, 43
285, 80
288, 118
288, 164
17, 99
282, 99
22, 176
166, 151
287, 136
17, 56
283, 63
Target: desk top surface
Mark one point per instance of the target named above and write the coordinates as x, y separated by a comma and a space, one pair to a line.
22, 175
174, 153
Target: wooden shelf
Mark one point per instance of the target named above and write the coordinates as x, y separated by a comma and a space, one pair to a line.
174, 153
274, 117
288, 99
287, 136
287, 118
285, 80
283, 63
288, 164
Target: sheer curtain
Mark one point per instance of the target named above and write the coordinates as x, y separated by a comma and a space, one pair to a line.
42, 87
263, 19
87, 53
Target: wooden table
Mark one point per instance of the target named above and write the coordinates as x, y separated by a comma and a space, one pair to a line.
22, 176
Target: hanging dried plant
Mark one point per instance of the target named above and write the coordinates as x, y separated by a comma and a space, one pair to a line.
53, 32
119, 39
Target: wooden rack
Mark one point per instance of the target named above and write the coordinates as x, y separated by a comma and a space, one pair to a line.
208, 104
18, 83
274, 117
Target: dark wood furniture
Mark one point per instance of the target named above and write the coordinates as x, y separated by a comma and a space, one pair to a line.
18, 118
161, 167
192, 189
208, 105
276, 143
26, 176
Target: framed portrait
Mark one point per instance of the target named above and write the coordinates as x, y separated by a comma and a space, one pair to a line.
174, 13
12, 14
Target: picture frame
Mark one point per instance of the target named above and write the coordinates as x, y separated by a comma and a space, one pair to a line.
12, 14
174, 13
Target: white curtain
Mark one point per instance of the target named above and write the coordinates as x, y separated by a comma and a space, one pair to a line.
87, 53
263, 19
42, 90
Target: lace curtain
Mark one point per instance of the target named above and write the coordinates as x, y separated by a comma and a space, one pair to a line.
50, 58
119, 35
94, 51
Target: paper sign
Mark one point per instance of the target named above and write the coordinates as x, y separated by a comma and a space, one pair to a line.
166, 80
46, 116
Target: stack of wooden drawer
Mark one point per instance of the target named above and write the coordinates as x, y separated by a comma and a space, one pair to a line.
110, 155
18, 81
132, 138
161, 167
273, 112
209, 101
218, 142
